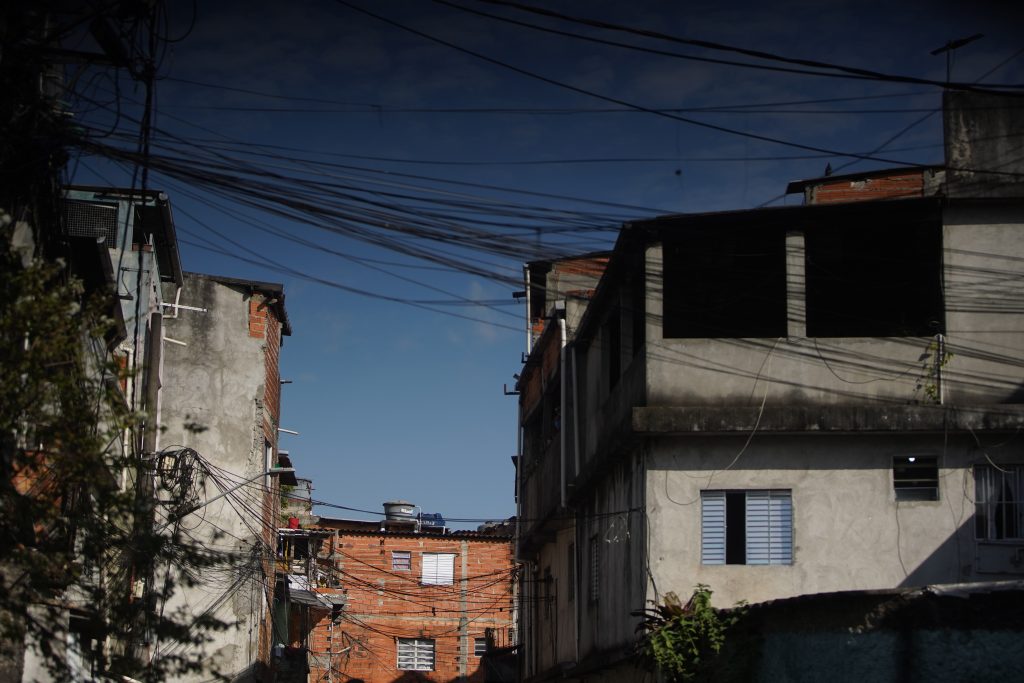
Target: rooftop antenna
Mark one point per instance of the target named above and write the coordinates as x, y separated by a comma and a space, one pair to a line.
954, 45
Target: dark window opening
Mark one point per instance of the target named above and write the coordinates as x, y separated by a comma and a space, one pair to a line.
874, 280
916, 477
736, 525
725, 283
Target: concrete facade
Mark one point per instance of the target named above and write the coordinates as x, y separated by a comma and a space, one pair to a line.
819, 354
221, 402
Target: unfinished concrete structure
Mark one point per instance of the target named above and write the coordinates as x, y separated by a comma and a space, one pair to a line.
777, 402
220, 413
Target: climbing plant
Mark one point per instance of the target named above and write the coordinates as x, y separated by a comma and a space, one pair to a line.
681, 641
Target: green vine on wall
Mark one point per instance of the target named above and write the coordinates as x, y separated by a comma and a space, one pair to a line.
935, 359
681, 640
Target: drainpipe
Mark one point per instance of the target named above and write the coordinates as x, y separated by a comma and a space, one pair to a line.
939, 357
575, 413
153, 363
561, 413
529, 323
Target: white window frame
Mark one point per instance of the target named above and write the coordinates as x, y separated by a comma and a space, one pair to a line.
767, 530
401, 560
438, 569
415, 654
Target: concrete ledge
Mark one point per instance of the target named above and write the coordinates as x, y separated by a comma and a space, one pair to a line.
827, 419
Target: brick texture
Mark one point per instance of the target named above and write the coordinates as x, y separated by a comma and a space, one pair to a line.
887, 187
384, 604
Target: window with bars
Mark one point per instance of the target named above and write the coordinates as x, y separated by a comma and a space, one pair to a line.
915, 477
415, 654
595, 569
479, 647
438, 569
747, 527
998, 504
401, 561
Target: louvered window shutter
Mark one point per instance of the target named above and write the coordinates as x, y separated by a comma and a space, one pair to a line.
438, 569
769, 527
712, 527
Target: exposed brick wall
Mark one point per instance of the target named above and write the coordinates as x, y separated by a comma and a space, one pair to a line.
383, 605
263, 324
257, 317
859, 190
272, 390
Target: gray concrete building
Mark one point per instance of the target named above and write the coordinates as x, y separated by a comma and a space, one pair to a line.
220, 414
780, 402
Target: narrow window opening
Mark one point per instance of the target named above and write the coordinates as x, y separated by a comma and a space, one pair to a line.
735, 526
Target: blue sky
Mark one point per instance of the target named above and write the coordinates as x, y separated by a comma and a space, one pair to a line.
394, 401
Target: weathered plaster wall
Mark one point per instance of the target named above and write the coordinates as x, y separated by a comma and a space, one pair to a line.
984, 266
217, 384
611, 522
849, 532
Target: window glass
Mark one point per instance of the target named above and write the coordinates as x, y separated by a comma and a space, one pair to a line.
415, 654
401, 560
999, 510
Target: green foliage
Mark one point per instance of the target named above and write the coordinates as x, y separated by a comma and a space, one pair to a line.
933, 361
77, 537
681, 641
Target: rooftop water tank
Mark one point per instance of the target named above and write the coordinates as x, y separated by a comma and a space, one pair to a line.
399, 511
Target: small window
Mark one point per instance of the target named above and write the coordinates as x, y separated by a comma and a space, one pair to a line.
401, 560
915, 477
746, 527
999, 502
415, 654
438, 569
479, 647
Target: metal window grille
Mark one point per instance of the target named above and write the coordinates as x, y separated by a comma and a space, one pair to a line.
91, 219
438, 569
915, 477
595, 569
479, 647
401, 560
999, 508
415, 654
762, 527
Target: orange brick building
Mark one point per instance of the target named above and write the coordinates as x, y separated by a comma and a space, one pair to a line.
413, 602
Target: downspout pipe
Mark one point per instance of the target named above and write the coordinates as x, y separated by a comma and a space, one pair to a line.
563, 353
153, 363
529, 309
